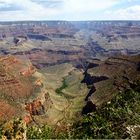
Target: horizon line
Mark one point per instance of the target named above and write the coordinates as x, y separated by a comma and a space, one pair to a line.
70, 20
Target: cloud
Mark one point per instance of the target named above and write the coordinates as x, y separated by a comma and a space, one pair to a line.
67, 9
27, 10
130, 13
85, 9
9, 7
87, 5
50, 3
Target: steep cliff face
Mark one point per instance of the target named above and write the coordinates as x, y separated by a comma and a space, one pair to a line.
19, 83
12, 83
42, 57
110, 77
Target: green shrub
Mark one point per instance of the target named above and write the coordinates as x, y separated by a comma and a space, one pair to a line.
111, 120
39, 133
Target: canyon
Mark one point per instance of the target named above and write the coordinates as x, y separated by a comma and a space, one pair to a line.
52, 72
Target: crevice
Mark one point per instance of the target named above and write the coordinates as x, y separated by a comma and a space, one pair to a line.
89, 107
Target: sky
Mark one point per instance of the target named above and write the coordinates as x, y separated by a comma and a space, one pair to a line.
74, 10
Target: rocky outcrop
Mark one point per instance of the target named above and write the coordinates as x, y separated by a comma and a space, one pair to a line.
28, 71
18, 40
18, 82
35, 107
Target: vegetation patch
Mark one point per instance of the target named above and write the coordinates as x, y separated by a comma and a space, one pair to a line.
59, 91
113, 119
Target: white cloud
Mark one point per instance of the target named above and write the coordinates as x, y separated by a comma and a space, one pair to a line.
87, 5
130, 13
29, 11
69, 9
